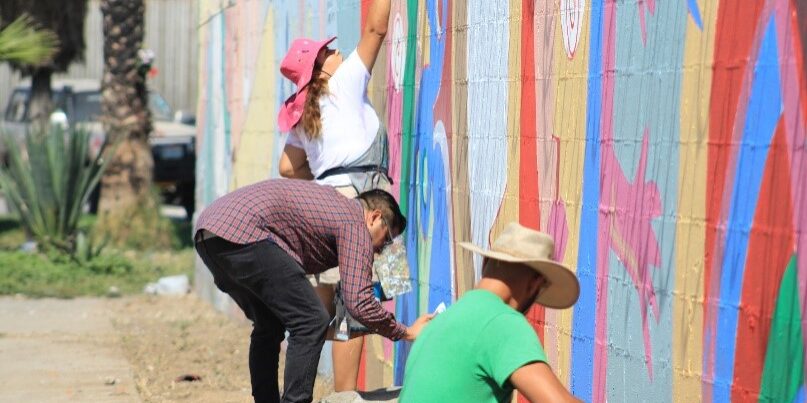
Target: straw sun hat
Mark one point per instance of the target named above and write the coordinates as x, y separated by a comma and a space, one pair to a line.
534, 249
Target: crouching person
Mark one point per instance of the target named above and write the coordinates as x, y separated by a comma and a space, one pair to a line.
260, 241
482, 347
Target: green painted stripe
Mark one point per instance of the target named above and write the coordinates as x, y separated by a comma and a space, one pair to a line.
783, 373
408, 103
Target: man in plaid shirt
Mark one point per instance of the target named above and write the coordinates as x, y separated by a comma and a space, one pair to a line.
260, 241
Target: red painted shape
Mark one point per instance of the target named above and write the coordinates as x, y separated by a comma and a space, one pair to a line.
731, 55
770, 246
442, 105
529, 211
528, 207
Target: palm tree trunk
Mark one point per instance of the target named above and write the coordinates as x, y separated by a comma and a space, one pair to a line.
41, 104
127, 120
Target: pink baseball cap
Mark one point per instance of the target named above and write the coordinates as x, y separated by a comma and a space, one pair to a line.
298, 66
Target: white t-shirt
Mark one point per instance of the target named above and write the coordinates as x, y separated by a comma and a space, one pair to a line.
349, 123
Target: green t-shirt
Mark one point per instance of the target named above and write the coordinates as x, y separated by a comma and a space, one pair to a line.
467, 353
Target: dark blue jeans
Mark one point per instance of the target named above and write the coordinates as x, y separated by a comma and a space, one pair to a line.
272, 290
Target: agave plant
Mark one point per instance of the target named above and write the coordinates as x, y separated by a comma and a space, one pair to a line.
49, 184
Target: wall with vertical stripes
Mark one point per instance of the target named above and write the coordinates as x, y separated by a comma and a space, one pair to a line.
662, 143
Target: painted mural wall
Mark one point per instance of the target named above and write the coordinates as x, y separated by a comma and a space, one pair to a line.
662, 143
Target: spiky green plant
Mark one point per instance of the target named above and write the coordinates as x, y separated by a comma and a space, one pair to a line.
23, 43
49, 184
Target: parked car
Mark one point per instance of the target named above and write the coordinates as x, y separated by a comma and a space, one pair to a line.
78, 103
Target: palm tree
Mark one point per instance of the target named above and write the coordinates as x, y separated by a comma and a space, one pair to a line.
65, 19
22, 43
127, 119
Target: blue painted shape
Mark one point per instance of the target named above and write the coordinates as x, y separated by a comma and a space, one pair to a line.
801, 396
695, 12
487, 101
285, 18
583, 322
439, 264
225, 109
427, 194
348, 17
629, 377
331, 25
430, 190
282, 42
764, 110
216, 132
405, 307
208, 188
265, 4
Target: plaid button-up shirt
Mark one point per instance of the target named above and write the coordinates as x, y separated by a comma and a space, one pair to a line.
317, 227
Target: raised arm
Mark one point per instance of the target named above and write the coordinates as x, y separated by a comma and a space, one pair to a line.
375, 30
538, 383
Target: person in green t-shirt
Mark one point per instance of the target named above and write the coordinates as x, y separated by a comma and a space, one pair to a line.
482, 347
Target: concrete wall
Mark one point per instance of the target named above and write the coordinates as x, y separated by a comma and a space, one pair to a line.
662, 143
170, 31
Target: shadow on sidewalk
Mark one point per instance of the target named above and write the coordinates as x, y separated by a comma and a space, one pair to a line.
378, 395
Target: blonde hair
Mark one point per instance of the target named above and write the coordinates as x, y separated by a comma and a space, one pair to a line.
310, 121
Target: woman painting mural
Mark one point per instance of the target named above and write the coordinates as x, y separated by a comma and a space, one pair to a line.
336, 138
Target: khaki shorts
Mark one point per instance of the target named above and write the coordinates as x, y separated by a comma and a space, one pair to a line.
331, 276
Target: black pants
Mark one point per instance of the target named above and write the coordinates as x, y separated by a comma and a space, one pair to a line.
272, 290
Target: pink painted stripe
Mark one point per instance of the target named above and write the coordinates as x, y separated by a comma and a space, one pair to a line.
234, 73
793, 90
645, 7
394, 128
395, 96
323, 21
607, 135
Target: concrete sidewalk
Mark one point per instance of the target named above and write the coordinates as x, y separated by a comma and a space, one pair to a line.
61, 351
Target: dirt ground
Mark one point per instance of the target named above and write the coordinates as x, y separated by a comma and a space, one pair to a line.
168, 338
